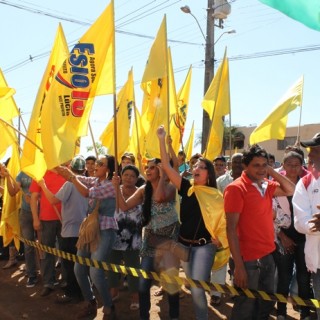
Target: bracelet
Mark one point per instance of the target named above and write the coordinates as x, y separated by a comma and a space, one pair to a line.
71, 178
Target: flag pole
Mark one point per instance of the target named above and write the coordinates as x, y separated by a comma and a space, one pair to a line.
92, 138
18, 131
300, 116
167, 76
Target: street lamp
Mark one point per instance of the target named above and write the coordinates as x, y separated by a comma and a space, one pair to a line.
226, 32
186, 9
209, 60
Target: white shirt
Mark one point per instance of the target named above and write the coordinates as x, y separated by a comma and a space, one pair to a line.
305, 201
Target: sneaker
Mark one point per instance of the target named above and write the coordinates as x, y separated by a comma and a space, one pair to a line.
31, 282
89, 309
45, 291
62, 299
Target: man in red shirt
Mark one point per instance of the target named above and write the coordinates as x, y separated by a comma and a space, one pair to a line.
47, 218
248, 207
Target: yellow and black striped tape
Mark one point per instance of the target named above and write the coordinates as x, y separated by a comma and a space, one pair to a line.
223, 288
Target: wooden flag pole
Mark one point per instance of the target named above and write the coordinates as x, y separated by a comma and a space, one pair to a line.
12, 127
93, 141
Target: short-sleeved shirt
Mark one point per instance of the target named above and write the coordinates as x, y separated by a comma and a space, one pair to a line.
255, 226
105, 192
74, 209
25, 182
190, 214
54, 182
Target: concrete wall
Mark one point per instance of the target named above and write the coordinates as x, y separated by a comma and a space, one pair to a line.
306, 132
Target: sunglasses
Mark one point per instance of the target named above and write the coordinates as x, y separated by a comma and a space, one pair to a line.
100, 163
149, 167
200, 167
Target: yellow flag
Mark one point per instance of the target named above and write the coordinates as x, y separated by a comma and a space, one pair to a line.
125, 101
32, 159
179, 119
8, 107
6, 93
10, 226
217, 103
189, 145
274, 126
89, 71
136, 144
217, 98
157, 62
8, 137
157, 89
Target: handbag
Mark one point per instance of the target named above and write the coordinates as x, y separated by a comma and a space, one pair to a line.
89, 232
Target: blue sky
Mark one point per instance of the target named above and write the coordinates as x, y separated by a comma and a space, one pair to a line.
257, 84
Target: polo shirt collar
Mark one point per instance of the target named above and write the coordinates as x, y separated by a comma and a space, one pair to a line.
264, 186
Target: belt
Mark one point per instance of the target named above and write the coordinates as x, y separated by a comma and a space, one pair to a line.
197, 242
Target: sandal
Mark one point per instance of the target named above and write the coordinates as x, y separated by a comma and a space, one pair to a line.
159, 292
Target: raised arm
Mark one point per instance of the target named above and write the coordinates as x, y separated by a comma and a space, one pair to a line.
133, 201
172, 174
70, 176
286, 187
13, 186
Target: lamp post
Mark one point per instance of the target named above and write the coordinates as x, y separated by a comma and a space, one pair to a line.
209, 62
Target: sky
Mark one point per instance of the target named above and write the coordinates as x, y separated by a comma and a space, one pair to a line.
267, 54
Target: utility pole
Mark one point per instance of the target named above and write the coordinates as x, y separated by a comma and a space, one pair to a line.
208, 71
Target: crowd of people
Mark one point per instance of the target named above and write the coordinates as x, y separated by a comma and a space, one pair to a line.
176, 213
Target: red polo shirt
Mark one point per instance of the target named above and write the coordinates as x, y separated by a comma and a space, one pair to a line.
54, 182
255, 227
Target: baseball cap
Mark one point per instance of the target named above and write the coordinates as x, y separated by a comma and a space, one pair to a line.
78, 163
130, 156
314, 142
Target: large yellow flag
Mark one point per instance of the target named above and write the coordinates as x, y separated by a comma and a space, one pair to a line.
179, 119
217, 98
274, 126
125, 101
8, 110
32, 159
89, 71
10, 226
157, 66
217, 103
189, 145
8, 107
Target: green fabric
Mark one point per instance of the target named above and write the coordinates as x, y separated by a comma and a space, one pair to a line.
304, 11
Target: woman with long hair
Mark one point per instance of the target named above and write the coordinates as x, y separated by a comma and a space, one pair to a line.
203, 225
160, 221
97, 188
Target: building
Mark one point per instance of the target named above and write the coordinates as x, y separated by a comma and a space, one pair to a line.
273, 146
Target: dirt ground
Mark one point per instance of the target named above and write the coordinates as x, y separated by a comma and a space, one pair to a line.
18, 302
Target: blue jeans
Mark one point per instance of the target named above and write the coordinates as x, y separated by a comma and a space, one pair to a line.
107, 238
199, 268
285, 265
218, 276
51, 230
316, 288
27, 232
260, 277
170, 264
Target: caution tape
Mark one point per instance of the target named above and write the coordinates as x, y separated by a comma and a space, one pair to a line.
222, 288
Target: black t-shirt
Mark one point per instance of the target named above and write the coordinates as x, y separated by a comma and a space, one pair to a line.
190, 215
